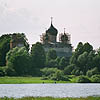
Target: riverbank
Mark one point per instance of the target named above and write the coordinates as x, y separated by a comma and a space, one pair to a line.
25, 80
50, 98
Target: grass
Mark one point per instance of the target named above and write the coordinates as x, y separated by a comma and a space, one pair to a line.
25, 80
50, 98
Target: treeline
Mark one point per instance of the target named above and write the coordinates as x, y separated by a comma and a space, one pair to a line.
36, 62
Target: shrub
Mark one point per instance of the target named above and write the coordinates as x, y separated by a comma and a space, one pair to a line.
59, 75
83, 79
2, 71
95, 78
92, 72
69, 69
48, 71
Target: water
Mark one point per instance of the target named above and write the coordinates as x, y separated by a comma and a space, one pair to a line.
53, 90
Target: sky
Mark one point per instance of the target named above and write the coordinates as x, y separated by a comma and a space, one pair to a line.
81, 18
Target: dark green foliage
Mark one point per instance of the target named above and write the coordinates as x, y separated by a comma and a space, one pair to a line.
53, 74
79, 49
48, 71
83, 58
92, 72
2, 71
68, 69
87, 47
5, 45
52, 63
38, 55
63, 62
95, 78
82, 62
10, 71
59, 75
4, 48
51, 55
83, 79
18, 61
96, 61
51, 58
38, 59
76, 71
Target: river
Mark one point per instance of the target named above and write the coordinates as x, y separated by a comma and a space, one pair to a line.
53, 90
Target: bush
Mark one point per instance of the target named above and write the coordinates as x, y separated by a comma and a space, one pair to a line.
83, 79
59, 75
92, 72
2, 71
48, 71
68, 69
76, 72
95, 78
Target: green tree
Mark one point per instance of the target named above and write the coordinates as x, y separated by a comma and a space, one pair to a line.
63, 63
38, 57
96, 61
92, 72
79, 49
87, 47
4, 48
69, 69
50, 57
83, 79
5, 45
51, 54
82, 61
18, 60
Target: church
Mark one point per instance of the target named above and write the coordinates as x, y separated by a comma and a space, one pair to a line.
48, 39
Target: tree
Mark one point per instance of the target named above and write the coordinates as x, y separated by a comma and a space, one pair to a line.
38, 57
50, 56
4, 48
83, 79
79, 49
96, 61
87, 47
63, 62
92, 72
82, 61
5, 45
18, 60
69, 68
90, 57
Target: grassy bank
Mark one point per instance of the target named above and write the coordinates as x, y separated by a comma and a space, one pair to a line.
25, 80
50, 98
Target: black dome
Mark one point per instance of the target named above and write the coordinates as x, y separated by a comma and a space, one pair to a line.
52, 30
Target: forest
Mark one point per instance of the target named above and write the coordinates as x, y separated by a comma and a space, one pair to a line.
35, 62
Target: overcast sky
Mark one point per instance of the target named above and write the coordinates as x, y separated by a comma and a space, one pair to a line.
81, 18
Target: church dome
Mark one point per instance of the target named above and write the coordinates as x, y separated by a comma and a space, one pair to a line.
52, 30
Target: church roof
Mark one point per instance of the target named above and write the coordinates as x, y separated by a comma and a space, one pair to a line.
52, 30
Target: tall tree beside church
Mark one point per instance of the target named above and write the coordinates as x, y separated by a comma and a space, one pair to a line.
37, 57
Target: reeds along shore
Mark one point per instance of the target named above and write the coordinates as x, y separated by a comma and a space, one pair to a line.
50, 98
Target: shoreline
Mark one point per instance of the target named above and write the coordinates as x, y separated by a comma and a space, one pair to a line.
51, 98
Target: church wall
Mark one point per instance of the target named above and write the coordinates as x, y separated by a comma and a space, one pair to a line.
65, 51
